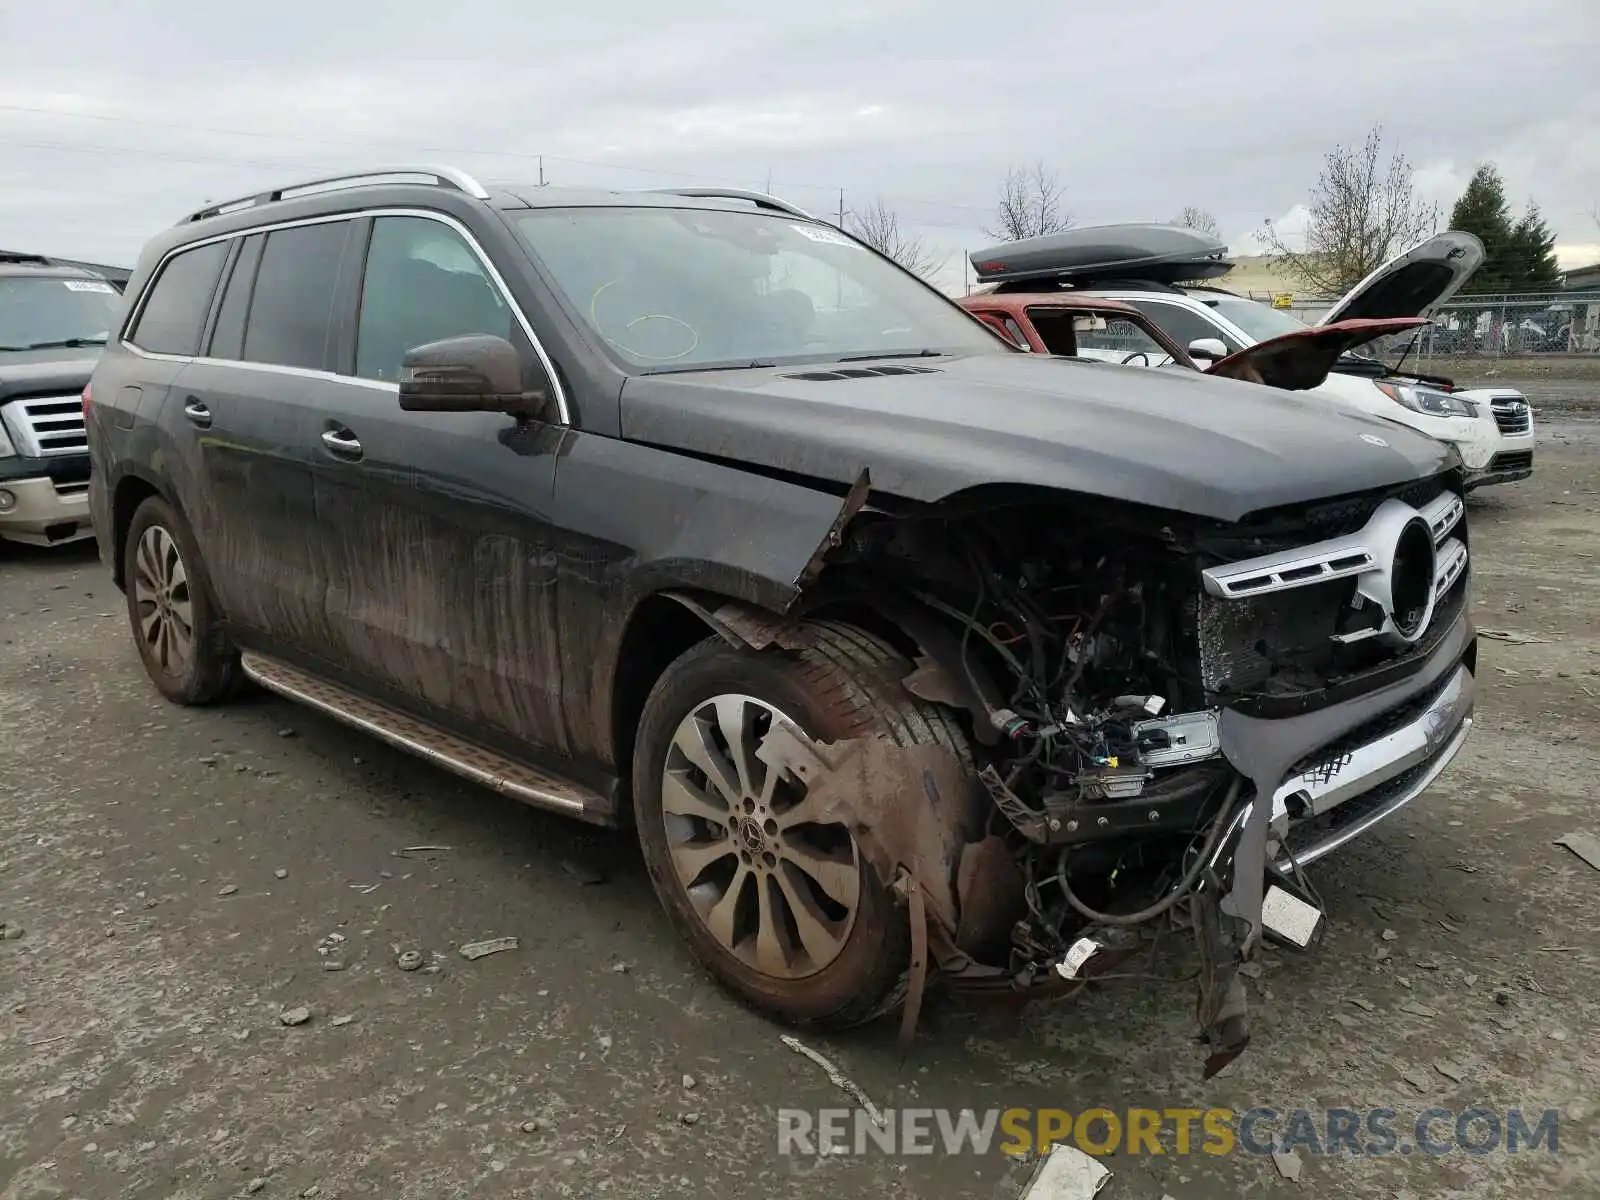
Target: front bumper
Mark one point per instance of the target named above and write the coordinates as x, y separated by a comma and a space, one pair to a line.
1506, 467
44, 511
1331, 775
1362, 780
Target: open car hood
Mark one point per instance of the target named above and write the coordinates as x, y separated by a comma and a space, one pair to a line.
1416, 283
1300, 360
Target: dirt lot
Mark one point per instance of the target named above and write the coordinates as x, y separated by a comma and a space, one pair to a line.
174, 874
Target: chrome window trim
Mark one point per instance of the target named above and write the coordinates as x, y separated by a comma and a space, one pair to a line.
271, 368
562, 406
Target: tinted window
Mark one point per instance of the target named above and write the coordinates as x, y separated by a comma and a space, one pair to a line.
292, 306
174, 316
422, 283
1182, 325
227, 339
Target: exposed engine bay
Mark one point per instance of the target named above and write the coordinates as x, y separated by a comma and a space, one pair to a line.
1096, 674
1077, 652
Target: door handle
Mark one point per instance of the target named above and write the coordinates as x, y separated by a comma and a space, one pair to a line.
198, 413
343, 443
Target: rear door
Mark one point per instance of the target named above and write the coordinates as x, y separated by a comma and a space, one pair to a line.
442, 560
162, 340
253, 402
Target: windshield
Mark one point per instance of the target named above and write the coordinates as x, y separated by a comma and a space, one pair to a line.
672, 289
38, 313
1258, 320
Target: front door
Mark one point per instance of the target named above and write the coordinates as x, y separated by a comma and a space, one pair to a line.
442, 561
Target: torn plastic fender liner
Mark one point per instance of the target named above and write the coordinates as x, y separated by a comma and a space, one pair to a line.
910, 808
742, 626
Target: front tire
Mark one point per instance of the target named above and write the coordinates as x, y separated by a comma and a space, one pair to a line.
782, 909
175, 622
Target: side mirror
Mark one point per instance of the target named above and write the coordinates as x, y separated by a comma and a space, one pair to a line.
479, 373
1212, 348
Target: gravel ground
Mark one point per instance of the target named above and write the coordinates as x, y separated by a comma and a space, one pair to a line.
183, 879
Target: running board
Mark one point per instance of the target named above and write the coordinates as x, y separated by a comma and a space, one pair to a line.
488, 767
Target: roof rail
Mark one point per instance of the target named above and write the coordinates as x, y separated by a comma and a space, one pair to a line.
438, 176
759, 199
23, 257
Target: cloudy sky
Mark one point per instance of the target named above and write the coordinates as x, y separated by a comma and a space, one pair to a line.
118, 115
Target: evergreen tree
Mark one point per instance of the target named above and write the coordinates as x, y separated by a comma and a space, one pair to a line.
1533, 254
1482, 210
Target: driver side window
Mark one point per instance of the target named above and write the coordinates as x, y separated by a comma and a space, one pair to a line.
422, 283
1182, 325
1121, 341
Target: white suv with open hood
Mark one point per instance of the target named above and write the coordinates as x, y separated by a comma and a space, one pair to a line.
1491, 428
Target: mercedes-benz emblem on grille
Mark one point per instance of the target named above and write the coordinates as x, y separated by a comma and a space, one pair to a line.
1411, 575
1373, 439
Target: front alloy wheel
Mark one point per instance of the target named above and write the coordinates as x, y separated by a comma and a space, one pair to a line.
776, 888
775, 898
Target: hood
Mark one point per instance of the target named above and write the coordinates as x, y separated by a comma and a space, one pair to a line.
1174, 440
40, 372
1414, 284
1301, 360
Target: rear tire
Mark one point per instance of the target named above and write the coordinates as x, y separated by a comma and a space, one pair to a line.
175, 622
796, 922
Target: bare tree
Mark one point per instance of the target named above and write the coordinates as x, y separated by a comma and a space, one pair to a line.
1030, 205
1364, 211
1199, 220
878, 226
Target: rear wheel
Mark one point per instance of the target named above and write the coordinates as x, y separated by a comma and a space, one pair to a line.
175, 621
778, 903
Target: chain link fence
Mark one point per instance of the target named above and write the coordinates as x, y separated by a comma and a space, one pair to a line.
1529, 325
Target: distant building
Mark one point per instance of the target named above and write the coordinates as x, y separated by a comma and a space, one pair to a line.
1260, 277
1584, 325
1583, 279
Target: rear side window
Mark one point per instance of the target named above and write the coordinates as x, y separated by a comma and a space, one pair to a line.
291, 309
174, 316
227, 339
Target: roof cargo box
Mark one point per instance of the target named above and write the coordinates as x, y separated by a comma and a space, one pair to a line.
1147, 253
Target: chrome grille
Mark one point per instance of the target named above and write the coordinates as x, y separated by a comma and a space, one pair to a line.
1289, 621
1512, 416
43, 426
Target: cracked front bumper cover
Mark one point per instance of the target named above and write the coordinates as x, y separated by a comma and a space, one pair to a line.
1342, 769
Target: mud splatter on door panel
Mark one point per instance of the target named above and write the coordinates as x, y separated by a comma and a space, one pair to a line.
445, 582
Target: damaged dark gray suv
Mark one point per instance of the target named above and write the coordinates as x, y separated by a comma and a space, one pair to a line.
913, 658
